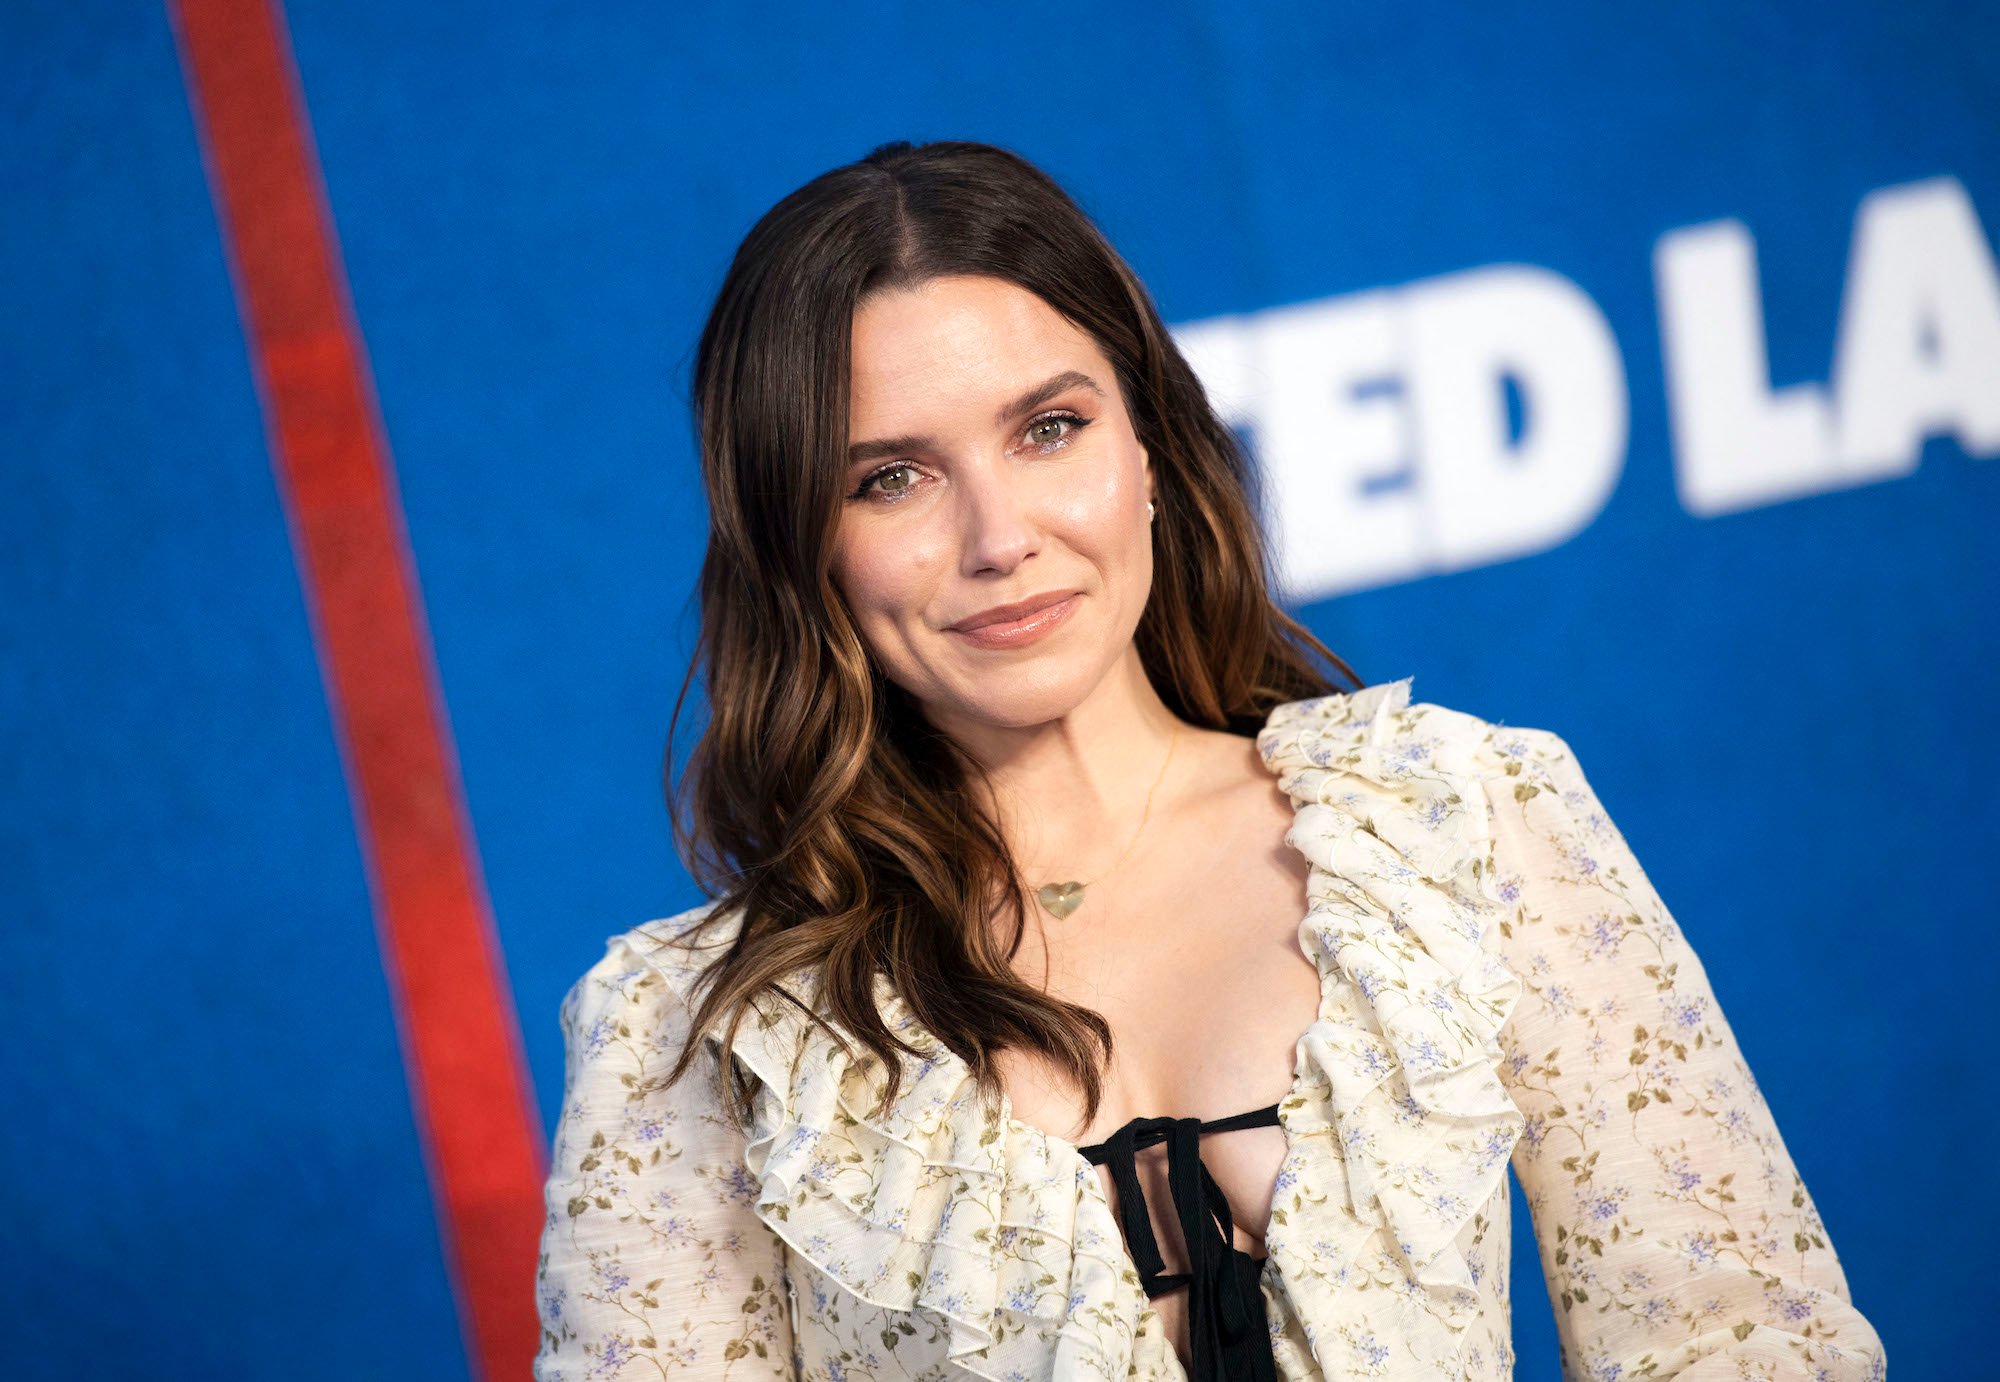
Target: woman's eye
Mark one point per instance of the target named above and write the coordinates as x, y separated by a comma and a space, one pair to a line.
1053, 429
875, 481
1049, 432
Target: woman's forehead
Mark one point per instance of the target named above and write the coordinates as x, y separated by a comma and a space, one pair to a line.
959, 342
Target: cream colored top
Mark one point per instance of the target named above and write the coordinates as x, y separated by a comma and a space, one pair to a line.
1499, 984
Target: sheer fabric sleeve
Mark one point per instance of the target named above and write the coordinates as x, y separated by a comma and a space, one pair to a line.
652, 1263
1676, 1237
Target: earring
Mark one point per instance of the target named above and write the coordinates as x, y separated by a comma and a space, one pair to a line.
1149, 510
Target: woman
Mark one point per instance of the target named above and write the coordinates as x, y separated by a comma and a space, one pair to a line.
1015, 790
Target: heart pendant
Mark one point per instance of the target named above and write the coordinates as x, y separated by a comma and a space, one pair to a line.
1060, 898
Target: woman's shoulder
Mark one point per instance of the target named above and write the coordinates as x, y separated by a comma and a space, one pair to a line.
661, 959
1454, 793
1379, 731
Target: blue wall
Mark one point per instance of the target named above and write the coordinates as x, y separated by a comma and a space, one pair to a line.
206, 1138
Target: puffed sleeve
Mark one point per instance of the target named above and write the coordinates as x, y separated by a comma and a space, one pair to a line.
652, 1262
1676, 1237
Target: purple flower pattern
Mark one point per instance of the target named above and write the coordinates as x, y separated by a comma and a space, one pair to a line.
1500, 985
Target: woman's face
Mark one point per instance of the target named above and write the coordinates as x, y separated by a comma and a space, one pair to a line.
992, 463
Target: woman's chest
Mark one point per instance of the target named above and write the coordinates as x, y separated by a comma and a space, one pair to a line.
1199, 974
1192, 958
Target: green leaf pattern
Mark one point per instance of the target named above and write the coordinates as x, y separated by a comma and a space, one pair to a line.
1501, 985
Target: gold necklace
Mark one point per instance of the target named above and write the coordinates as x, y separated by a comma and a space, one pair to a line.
1060, 899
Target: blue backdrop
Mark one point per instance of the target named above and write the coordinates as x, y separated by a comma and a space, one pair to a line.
1770, 642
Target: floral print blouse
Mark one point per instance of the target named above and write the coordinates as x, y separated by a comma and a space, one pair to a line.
1499, 985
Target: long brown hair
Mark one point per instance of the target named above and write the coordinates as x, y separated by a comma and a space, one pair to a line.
818, 800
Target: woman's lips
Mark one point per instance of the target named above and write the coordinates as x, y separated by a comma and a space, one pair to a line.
1020, 632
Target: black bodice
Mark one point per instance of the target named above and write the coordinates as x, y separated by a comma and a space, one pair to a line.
1227, 1334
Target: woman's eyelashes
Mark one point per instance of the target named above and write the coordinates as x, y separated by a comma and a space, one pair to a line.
1073, 425
1036, 434
866, 489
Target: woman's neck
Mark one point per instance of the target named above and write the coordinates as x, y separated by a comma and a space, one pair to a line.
1069, 793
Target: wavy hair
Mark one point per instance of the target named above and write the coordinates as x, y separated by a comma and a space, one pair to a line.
818, 801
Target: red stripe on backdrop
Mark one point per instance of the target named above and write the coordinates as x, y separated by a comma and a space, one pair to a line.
461, 1041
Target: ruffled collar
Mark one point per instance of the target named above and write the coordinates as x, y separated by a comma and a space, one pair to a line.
949, 1206
1392, 816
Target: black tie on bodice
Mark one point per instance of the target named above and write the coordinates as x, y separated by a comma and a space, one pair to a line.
1227, 1334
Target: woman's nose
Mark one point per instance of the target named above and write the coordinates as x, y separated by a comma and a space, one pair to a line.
998, 522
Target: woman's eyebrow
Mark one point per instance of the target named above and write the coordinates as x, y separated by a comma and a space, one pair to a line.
1033, 398
1046, 390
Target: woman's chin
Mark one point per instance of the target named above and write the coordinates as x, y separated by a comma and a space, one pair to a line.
1019, 698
